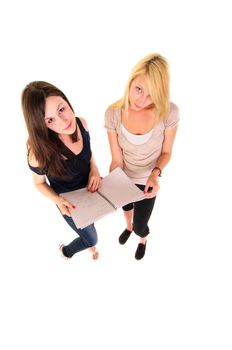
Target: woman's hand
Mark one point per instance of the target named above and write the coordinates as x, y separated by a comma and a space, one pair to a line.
152, 182
64, 206
94, 180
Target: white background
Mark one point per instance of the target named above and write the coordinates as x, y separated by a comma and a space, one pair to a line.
179, 295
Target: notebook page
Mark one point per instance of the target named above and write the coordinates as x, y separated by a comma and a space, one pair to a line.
119, 189
90, 207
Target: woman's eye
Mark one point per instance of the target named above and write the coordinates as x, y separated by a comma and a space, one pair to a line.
138, 88
61, 110
50, 120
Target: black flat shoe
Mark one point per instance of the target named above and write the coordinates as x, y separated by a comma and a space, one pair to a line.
124, 236
140, 251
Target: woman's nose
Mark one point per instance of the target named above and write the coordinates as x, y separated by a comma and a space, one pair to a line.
64, 118
140, 99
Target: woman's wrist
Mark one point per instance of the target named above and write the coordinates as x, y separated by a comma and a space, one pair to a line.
93, 168
157, 171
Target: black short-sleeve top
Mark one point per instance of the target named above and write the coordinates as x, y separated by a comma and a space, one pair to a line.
78, 166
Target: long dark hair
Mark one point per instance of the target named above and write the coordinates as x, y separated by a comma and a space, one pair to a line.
44, 143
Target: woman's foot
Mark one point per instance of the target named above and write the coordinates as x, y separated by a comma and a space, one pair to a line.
94, 252
141, 249
61, 246
124, 236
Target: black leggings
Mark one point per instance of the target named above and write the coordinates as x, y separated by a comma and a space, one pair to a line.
142, 213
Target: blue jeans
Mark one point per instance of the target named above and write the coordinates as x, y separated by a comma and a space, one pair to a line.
87, 238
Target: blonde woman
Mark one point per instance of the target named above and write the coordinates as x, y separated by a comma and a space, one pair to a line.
141, 129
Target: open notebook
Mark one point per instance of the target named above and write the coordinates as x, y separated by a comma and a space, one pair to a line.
116, 190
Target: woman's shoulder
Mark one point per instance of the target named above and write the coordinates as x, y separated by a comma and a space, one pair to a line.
83, 122
113, 111
112, 119
34, 165
172, 118
173, 108
32, 161
173, 111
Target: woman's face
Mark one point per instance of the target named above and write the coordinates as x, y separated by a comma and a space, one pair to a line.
139, 96
59, 117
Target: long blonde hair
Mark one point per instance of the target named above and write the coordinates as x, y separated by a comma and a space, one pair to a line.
155, 68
